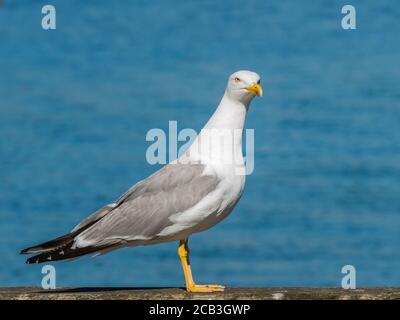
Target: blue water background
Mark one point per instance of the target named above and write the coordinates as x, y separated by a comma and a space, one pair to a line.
76, 104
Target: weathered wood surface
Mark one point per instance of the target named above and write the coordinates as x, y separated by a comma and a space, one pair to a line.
178, 293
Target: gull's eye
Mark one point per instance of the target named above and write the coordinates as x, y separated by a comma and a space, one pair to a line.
258, 81
236, 79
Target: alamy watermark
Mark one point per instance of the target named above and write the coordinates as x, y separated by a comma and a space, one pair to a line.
349, 280
49, 278
49, 18
349, 20
212, 146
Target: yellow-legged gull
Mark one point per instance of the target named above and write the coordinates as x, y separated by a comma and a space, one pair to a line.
188, 195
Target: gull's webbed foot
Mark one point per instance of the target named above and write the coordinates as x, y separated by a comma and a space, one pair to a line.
205, 288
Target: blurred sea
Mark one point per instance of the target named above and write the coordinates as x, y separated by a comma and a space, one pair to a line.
77, 102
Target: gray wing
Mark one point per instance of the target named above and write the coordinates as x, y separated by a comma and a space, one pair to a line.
93, 218
144, 210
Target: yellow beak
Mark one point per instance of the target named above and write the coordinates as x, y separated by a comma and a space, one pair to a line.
256, 89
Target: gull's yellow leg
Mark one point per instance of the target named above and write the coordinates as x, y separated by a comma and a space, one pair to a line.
191, 286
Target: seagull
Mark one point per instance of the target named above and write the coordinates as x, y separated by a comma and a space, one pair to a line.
186, 196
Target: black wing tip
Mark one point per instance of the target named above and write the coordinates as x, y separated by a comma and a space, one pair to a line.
49, 245
30, 250
40, 258
32, 260
25, 251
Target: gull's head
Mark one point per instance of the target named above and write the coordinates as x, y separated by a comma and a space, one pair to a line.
243, 86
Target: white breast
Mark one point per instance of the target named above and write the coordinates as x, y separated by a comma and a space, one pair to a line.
211, 209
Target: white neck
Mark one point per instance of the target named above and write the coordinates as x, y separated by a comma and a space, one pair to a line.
230, 114
221, 137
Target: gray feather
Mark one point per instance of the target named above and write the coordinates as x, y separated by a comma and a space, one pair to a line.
94, 217
145, 209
